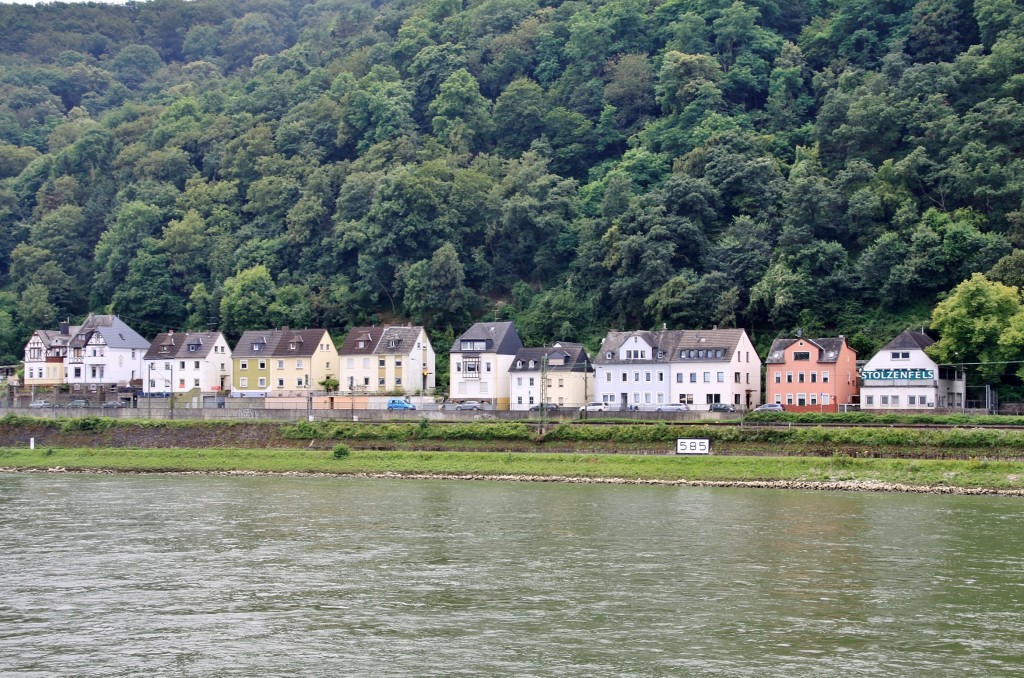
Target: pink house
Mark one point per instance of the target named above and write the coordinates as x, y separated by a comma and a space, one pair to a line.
812, 375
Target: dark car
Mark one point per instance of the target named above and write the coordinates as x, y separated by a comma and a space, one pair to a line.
112, 405
469, 405
78, 404
550, 407
721, 407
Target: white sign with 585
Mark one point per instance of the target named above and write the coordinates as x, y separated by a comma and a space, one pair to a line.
693, 446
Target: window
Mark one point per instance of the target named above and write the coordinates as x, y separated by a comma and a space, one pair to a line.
280, 383
801, 355
300, 382
195, 364
351, 362
398, 381
679, 377
911, 400
280, 364
901, 355
884, 400
243, 364
381, 362
519, 381
789, 377
398, 362
531, 381
720, 377
625, 377
801, 399
778, 399
778, 377
474, 345
561, 382
487, 366
738, 379
195, 382
789, 398
263, 364
243, 382
800, 377
647, 376
693, 377
380, 381
814, 377
824, 377
262, 383
895, 401
686, 398
707, 377
607, 376
192, 348
869, 400
519, 399
814, 399
298, 365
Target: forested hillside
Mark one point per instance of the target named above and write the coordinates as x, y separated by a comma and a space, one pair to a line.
830, 165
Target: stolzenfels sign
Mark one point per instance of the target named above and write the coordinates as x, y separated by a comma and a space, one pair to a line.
891, 373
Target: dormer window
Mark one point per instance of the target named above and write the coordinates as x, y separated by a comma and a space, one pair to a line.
360, 344
532, 363
165, 348
258, 346
193, 347
608, 355
519, 364
291, 346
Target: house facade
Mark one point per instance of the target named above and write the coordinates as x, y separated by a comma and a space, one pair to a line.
901, 376
561, 375
188, 362
284, 362
647, 369
396, 359
812, 375
479, 363
104, 354
45, 356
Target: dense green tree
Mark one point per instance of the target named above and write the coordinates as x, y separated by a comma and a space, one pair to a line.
245, 299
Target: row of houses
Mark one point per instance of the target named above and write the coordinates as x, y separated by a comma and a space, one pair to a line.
639, 369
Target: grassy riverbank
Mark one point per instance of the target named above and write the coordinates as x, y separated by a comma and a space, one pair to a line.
791, 471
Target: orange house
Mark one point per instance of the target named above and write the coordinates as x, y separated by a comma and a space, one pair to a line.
812, 375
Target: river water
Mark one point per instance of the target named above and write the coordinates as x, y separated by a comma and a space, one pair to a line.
241, 576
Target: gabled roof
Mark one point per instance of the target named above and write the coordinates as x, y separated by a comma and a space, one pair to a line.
671, 342
114, 331
561, 357
501, 338
370, 336
178, 345
298, 343
828, 349
398, 340
911, 340
267, 339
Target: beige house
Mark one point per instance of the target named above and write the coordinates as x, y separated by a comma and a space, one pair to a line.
45, 355
282, 363
395, 359
560, 375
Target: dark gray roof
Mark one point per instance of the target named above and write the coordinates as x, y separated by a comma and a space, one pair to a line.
828, 349
909, 339
370, 335
245, 347
562, 357
501, 338
298, 343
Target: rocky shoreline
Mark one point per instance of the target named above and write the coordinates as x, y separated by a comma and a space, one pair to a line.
832, 485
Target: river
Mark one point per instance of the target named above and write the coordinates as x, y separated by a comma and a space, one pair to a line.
134, 575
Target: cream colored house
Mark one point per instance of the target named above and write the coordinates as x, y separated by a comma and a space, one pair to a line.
560, 375
479, 363
394, 359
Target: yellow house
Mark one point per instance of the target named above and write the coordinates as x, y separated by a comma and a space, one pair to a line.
285, 362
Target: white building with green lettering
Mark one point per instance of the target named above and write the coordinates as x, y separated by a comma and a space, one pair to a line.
901, 376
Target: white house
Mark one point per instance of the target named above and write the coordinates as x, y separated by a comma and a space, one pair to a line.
646, 369
901, 376
184, 362
45, 356
104, 353
561, 375
479, 363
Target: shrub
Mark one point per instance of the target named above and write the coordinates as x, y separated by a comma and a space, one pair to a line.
341, 451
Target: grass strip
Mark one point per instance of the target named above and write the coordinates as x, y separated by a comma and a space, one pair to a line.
927, 473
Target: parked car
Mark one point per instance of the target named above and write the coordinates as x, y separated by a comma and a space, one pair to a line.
673, 407
770, 407
112, 405
78, 404
721, 407
594, 407
40, 404
469, 405
550, 407
399, 404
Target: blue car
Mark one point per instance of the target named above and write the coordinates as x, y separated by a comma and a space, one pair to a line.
399, 404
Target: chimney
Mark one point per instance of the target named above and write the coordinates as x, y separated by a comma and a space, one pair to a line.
65, 327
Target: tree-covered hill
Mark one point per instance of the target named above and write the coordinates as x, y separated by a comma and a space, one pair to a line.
833, 165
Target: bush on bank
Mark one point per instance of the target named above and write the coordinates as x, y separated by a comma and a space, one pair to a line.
869, 418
